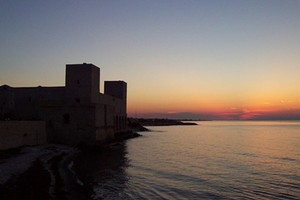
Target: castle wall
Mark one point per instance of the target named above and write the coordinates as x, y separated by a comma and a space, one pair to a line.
19, 133
74, 114
105, 125
118, 114
7, 102
28, 100
71, 124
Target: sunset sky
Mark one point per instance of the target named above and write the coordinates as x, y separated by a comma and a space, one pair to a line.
223, 59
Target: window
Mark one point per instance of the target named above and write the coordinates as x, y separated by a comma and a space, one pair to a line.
105, 116
50, 123
66, 118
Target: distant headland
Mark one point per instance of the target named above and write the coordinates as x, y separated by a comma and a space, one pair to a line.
162, 122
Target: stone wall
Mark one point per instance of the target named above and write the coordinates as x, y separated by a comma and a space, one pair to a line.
29, 100
72, 124
19, 133
104, 122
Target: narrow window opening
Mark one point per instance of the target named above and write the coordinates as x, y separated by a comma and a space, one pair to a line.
50, 123
105, 116
66, 118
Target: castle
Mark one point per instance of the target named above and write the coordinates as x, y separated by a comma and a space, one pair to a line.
76, 113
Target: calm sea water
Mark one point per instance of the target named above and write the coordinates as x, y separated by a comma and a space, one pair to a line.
214, 160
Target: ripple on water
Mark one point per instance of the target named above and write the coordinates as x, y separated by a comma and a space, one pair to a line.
217, 160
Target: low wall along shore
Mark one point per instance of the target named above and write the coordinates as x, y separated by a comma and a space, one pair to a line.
19, 133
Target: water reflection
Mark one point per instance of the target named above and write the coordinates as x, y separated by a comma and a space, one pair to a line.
216, 160
104, 171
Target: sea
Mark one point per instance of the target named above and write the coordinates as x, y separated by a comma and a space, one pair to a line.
212, 160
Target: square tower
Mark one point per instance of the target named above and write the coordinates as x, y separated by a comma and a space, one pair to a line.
117, 89
82, 83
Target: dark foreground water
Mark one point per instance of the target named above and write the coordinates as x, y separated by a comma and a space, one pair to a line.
215, 160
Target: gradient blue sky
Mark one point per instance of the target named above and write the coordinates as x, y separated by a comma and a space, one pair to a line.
218, 59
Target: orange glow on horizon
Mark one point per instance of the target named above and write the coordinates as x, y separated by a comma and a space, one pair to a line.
255, 108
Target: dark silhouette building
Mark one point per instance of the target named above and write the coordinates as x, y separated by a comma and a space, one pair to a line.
74, 113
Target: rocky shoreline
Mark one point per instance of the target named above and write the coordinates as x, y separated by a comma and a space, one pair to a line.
51, 171
44, 176
62, 172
